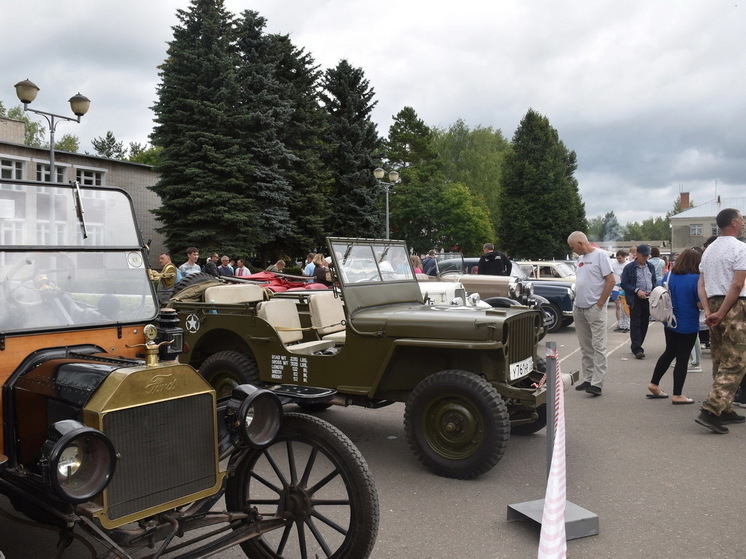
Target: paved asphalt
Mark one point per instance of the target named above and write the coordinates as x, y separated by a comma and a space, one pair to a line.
662, 486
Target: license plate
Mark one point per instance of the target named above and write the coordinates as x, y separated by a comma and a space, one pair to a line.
521, 368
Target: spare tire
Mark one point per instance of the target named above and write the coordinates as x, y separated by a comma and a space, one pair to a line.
190, 281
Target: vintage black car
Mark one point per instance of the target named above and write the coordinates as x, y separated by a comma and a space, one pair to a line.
109, 439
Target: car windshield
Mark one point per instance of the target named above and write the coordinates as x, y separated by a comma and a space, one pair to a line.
363, 262
564, 269
70, 257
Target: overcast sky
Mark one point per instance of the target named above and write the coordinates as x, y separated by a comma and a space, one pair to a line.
651, 94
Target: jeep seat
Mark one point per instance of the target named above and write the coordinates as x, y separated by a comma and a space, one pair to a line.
282, 315
241, 293
328, 316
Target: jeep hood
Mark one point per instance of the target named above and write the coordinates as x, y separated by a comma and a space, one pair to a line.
416, 321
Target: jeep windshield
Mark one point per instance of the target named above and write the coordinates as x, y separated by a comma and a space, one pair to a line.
378, 261
70, 257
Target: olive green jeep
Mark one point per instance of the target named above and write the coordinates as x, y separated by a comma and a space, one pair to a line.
468, 375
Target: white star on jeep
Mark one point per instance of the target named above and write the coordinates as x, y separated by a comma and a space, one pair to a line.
192, 323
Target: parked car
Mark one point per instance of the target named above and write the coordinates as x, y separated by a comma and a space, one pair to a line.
109, 440
557, 296
469, 376
555, 270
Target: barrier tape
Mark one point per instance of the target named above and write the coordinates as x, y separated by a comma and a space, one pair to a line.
553, 540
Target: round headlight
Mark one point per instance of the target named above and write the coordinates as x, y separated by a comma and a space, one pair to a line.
259, 416
80, 461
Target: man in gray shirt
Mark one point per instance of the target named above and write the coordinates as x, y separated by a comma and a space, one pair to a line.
593, 284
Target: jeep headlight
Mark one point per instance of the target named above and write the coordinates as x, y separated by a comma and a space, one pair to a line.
253, 415
77, 461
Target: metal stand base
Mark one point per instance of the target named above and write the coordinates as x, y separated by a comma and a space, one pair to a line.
579, 522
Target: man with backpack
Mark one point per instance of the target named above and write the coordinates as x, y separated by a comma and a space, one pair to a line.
638, 280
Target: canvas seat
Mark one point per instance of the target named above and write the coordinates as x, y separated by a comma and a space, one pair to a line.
239, 293
328, 316
282, 314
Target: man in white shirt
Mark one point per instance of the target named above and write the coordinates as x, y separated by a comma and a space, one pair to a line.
722, 291
593, 284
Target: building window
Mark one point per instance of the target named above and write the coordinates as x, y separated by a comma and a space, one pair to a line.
10, 169
695, 230
42, 172
714, 229
89, 178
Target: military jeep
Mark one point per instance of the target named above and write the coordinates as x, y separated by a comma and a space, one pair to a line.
110, 440
468, 375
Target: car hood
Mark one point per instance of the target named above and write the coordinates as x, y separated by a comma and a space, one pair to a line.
435, 322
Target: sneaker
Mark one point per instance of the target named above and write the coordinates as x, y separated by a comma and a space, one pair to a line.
595, 390
583, 385
731, 417
711, 421
640, 355
694, 369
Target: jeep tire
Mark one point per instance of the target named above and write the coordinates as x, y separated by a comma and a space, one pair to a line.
227, 369
457, 424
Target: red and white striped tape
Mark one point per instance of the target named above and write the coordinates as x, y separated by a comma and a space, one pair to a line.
553, 540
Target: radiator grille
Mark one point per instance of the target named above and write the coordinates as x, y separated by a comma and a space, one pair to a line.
522, 329
167, 451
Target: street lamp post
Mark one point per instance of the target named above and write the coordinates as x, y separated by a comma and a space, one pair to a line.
393, 180
27, 90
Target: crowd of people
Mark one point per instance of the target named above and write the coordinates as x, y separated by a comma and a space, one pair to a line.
707, 286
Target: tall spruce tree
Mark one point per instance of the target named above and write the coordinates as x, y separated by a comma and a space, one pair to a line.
305, 135
264, 111
539, 199
356, 146
204, 168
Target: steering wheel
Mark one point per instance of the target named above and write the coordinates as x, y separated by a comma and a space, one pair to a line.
26, 277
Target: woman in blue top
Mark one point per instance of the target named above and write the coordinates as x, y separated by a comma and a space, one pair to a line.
682, 283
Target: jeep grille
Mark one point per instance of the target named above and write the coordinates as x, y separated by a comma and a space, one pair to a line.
166, 452
522, 329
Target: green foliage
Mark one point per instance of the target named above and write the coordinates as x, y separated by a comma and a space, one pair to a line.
355, 147
539, 201
69, 143
439, 215
474, 157
145, 154
108, 146
651, 229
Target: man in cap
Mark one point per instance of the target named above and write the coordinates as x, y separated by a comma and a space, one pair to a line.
638, 280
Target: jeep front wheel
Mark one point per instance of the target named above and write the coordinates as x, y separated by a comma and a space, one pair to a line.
457, 424
227, 369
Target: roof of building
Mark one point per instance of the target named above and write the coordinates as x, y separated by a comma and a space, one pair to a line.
712, 208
